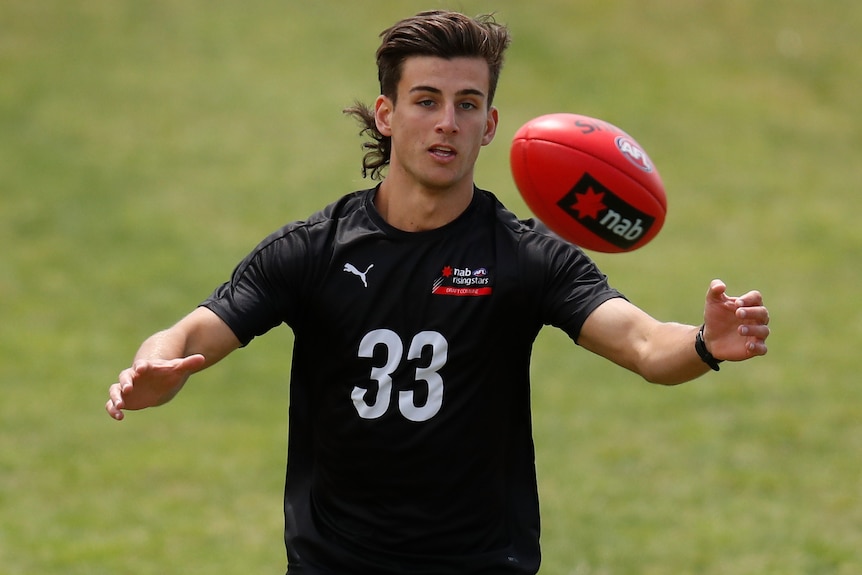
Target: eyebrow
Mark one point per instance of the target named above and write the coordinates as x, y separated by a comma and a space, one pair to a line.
433, 90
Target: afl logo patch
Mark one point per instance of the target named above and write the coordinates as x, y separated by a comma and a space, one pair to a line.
463, 281
633, 153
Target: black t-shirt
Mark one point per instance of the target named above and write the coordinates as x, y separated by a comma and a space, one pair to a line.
410, 442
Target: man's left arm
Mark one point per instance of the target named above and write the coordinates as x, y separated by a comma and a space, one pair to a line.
734, 329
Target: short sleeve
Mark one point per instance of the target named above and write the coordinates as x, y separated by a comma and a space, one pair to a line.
571, 284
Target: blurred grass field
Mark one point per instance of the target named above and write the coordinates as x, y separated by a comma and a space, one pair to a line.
145, 147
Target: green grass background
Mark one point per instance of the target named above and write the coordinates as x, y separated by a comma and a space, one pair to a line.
146, 146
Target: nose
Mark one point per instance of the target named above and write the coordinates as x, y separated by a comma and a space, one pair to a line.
447, 123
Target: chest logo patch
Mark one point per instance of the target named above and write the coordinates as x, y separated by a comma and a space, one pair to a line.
352, 269
463, 282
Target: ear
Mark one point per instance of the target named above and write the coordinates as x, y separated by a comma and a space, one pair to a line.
490, 126
383, 108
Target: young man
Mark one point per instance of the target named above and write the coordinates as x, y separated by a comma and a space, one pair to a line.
414, 306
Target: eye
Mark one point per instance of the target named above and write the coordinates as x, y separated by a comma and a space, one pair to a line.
468, 106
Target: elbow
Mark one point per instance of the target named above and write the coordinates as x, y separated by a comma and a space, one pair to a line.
664, 381
668, 377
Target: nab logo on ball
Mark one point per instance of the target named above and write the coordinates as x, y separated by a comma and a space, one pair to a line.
606, 215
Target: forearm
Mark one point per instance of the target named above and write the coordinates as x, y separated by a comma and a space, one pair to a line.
667, 355
660, 352
166, 344
200, 332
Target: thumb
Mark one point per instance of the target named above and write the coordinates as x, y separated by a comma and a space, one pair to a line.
194, 362
717, 289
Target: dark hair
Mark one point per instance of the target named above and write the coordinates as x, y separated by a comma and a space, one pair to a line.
433, 33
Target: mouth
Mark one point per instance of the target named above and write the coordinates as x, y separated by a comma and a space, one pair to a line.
442, 152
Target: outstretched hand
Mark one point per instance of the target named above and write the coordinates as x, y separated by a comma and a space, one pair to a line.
735, 328
148, 383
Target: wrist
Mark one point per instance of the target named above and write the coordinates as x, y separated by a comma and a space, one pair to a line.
703, 352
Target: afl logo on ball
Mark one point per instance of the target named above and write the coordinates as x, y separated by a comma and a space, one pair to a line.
633, 153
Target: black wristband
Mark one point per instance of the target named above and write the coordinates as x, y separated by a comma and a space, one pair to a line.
700, 348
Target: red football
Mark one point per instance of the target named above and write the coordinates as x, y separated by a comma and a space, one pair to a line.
588, 181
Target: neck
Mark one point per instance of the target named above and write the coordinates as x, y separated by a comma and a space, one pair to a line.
420, 209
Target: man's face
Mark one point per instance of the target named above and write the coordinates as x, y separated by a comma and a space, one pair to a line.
440, 122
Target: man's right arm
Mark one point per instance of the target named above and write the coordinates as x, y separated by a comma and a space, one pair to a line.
168, 358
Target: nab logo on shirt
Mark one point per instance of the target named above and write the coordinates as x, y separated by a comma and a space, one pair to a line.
463, 281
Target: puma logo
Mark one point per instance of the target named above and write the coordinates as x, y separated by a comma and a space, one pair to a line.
350, 268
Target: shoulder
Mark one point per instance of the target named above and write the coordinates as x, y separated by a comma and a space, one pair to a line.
344, 207
289, 247
320, 223
547, 263
531, 235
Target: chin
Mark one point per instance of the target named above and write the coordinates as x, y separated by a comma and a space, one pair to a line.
446, 181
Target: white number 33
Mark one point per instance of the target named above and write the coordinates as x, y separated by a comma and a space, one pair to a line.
376, 406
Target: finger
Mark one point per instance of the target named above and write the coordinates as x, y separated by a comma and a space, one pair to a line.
114, 405
127, 378
115, 393
139, 366
752, 298
753, 314
113, 411
756, 347
757, 331
755, 335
